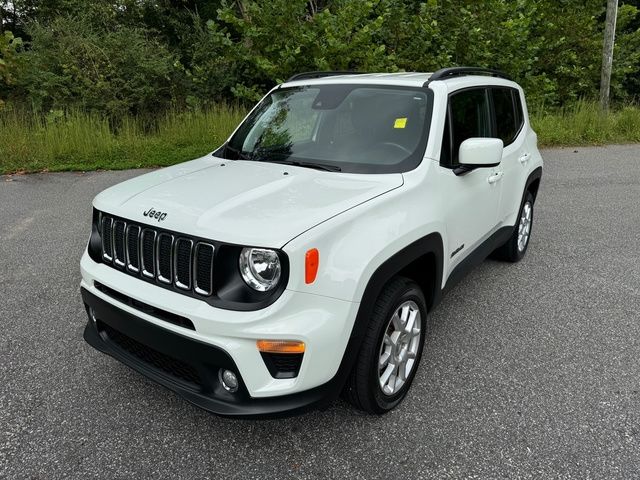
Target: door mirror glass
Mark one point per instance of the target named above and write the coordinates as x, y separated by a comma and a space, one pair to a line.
480, 152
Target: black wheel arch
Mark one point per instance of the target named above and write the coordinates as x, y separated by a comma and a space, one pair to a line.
533, 183
427, 252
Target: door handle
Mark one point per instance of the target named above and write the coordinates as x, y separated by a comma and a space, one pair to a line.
493, 178
524, 158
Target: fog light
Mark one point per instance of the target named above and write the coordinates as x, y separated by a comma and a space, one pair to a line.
228, 380
92, 315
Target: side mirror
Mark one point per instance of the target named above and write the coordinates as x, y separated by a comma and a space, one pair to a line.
478, 153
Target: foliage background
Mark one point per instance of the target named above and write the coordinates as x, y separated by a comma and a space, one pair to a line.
89, 84
144, 57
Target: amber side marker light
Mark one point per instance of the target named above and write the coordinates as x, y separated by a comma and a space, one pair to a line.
311, 263
280, 346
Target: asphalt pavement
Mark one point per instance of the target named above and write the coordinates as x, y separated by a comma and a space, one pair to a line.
530, 370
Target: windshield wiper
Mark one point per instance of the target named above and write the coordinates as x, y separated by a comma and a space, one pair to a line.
295, 163
237, 152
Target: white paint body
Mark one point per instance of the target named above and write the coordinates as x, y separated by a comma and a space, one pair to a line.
356, 221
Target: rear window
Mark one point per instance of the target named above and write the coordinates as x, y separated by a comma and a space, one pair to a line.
508, 114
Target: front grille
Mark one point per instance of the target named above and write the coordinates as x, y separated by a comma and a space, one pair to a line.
169, 365
176, 261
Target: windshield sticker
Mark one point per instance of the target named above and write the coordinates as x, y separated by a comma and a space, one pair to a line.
400, 122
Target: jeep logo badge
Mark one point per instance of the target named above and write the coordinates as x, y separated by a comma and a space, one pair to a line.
151, 213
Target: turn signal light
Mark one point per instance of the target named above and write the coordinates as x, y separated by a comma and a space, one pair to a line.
280, 346
311, 263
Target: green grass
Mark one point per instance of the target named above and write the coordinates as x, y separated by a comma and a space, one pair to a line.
585, 124
81, 141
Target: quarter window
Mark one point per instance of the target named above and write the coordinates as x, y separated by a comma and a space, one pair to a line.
506, 124
519, 112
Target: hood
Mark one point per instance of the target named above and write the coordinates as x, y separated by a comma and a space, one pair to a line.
241, 202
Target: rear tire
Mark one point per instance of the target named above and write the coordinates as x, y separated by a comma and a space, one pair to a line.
516, 247
396, 333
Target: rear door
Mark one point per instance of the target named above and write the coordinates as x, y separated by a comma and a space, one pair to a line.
509, 126
472, 198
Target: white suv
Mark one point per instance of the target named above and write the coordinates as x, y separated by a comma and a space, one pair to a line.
300, 259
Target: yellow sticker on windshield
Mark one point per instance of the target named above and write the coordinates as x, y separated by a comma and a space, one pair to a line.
400, 122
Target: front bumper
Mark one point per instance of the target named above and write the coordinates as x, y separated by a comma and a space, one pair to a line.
324, 324
187, 366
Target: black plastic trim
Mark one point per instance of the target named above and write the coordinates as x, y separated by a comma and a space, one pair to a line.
452, 72
205, 358
463, 168
270, 360
160, 314
477, 256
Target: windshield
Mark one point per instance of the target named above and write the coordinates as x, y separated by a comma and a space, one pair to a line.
349, 128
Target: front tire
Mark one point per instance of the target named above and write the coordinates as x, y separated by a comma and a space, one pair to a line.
515, 248
391, 350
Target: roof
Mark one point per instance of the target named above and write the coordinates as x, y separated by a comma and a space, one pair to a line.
407, 79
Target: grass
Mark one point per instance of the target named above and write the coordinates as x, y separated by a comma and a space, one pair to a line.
585, 124
81, 141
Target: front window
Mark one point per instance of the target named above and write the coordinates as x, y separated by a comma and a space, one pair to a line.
348, 128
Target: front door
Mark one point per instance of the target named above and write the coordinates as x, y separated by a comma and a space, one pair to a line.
473, 198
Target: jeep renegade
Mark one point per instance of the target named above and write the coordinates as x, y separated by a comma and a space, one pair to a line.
300, 259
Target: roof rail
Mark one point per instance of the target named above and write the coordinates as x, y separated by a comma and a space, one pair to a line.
446, 73
310, 75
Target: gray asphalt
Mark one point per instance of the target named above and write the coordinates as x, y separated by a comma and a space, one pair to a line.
530, 370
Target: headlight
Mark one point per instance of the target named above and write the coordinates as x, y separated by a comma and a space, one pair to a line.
260, 268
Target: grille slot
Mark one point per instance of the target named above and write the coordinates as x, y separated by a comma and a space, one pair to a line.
203, 266
148, 242
118, 242
107, 235
182, 267
133, 248
164, 246
161, 361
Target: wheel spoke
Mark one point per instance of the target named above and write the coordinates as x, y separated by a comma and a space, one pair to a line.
396, 321
411, 321
404, 315
384, 358
402, 371
386, 375
390, 387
